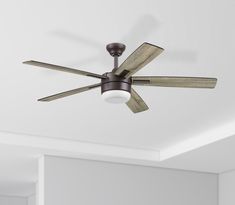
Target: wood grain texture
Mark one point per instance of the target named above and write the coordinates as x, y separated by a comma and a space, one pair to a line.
68, 93
172, 81
63, 69
136, 103
143, 55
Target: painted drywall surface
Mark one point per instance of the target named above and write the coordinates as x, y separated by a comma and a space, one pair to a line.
72, 181
31, 200
12, 200
227, 188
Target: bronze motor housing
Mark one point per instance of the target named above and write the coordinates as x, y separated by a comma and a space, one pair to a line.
114, 82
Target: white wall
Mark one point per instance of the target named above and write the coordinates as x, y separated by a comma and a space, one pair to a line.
64, 181
227, 188
32, 200
12, 200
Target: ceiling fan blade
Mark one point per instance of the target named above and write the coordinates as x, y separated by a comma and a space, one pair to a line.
62, 68
68, 93
143, 55
172, 81
136, 103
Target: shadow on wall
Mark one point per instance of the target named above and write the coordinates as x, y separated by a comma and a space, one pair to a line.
143, 27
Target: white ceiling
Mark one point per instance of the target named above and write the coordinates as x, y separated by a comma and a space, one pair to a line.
198, 41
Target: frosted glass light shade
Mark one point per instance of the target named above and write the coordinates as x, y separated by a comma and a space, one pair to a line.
116, 96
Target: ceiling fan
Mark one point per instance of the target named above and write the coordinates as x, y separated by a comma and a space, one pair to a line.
117, 85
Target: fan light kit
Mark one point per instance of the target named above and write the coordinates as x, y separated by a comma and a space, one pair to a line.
116, 96
116, 85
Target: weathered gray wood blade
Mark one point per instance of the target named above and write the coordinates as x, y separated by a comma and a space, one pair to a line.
64, 69
172, 81
136, 103
143, 55
68, 93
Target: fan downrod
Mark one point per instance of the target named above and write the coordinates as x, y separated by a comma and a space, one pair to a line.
115, 50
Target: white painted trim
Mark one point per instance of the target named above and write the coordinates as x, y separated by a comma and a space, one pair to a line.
74, 148
13, 196
211, 136
40, 183
78, 149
